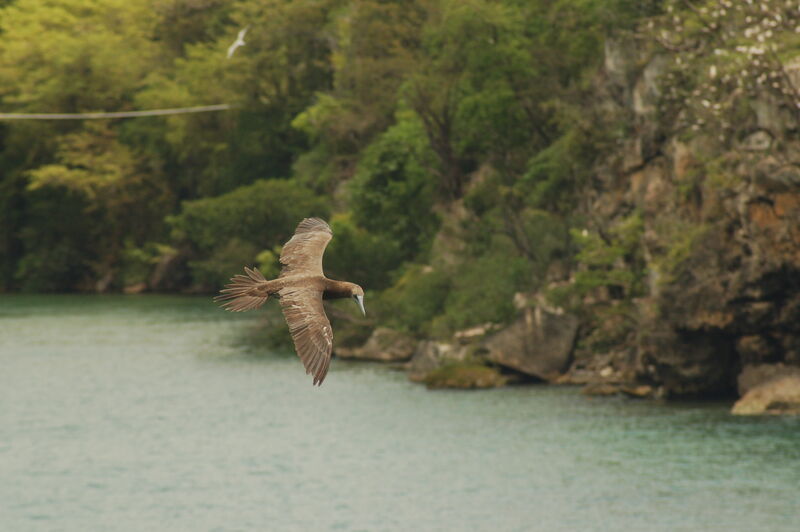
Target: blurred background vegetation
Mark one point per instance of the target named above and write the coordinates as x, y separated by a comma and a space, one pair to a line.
436, 135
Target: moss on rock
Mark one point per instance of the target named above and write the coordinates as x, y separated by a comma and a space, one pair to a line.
465, 376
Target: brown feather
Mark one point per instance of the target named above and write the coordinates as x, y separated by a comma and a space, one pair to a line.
302, 254
244, 292
309, 327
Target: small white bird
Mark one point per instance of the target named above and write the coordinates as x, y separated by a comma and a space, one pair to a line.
238, 42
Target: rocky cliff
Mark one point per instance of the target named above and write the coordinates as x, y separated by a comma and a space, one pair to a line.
691, 248
717, 234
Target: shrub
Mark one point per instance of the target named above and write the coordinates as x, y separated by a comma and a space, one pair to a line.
415, 299
225, 232
392, 193
362, 257
484, 287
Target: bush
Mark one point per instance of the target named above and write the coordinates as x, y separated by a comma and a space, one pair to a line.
228, 231
417, 297
361, 257
483, 289
392, 193
56, 254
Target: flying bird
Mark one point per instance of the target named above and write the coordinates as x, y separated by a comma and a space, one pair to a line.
238, 42
300, 287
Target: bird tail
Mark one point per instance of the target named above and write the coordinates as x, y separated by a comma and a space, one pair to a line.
243, 293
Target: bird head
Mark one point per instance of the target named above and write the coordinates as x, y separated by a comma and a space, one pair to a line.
358, 295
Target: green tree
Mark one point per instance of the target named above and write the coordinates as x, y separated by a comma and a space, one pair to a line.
223, 233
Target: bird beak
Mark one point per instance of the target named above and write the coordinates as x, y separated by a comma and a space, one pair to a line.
360, 301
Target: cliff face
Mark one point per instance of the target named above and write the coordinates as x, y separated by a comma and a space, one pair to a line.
691, 252
716, 239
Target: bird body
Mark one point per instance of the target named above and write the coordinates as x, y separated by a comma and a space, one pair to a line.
238, 42
300, 288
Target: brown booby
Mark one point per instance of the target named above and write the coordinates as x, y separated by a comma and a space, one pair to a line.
300, 287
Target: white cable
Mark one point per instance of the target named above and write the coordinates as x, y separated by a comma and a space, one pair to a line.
123, 114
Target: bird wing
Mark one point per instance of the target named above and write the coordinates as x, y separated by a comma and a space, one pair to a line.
302, 254
310, 328
238, 42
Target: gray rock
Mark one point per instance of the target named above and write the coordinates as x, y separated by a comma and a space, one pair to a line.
792, 69
777, 396
385, 345
472, 334
430, 355
772, 115
538, 344
758, 141
618, 58
647, 91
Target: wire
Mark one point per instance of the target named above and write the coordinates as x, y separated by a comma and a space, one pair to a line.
123, 114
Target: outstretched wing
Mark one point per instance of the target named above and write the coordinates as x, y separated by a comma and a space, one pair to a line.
302, 254
310, 329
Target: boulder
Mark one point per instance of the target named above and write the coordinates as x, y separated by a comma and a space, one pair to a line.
780, 395
754, 375
384, 345
538, 344
137, 288
430, 355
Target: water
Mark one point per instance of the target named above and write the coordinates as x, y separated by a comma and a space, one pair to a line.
164, 413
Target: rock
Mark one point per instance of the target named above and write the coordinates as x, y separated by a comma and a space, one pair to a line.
777, 396
430, 355
754, 375
601, 389
618, 58
686, 364
170, 272
758, 141
641, 391
647, 90
384, 345
137, 288
682, 159
792, 69
469, 335
538, 344
754, 348
771, 116
449, 242
104, 283
464, 376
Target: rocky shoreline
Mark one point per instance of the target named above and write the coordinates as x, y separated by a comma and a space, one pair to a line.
488, 357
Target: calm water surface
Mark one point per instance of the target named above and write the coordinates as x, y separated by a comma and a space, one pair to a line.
164, 413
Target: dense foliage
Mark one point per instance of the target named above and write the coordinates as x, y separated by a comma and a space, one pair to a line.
441, 136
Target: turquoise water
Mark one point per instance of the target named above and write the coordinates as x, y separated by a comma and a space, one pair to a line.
165, 413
